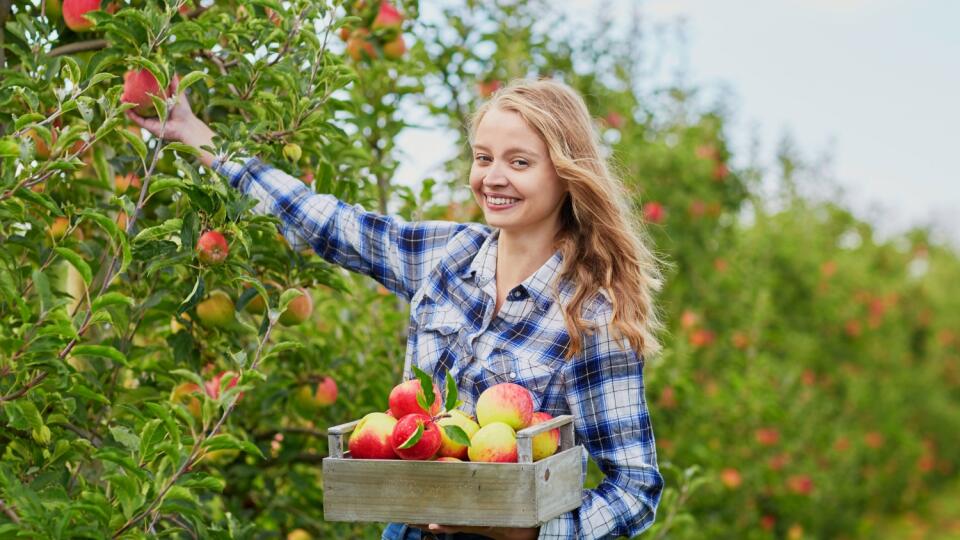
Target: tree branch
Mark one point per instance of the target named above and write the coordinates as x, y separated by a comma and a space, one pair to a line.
78, 46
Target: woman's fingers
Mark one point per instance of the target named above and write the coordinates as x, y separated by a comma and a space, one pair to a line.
149, 124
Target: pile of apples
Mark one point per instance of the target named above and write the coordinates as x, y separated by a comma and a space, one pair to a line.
410, 429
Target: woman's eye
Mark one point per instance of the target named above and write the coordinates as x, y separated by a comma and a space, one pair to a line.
482, 158
521, 162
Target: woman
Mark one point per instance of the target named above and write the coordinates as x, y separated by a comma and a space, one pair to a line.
554, 293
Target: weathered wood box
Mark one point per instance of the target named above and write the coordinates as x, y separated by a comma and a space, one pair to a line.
523, 494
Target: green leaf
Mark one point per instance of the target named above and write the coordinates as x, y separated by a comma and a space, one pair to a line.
288, 296
112, 299
190, 78
135, 141
77, 261
124, 436
165, 182
413, 439
425, 397
102, 351
452, 395
457, 435
42, 285
181, 147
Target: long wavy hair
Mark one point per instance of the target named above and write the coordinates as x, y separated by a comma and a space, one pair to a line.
601, 239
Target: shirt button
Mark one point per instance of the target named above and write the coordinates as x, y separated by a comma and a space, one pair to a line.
513, 375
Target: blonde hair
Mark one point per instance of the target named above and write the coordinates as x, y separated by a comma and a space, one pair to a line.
602, 242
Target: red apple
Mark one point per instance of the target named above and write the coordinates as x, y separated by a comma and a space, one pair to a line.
388, 17
370, 439
403, 399
654, 212
509, 403
214, 387
310, 398
487, 88
449, 459
423, 449
614, 120
59, 227
495, 442
123, 182
138, 86
74, 11
298, 310
212, 248
544, 444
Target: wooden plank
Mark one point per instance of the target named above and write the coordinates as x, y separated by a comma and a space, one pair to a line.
482, 494
559, 484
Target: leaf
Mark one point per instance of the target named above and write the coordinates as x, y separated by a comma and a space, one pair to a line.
457, 435
135, 141
426, 389
124, 436
288, 296
111, 299
181, 147
452, 395
77, 261
413, 439
42, 285
191, 78
102, 351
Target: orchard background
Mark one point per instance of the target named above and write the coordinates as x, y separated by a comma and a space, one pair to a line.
811, 377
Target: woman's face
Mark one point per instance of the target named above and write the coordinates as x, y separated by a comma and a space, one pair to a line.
512, 176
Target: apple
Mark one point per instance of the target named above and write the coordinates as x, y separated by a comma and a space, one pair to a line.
395, 48
449, 459
123, 182
358, 46
175, 325
654, 212
299, 534
212, 248
298, 310
40, 146
403, 399
310, 398
122, 220
614, 120
292, 152
217, 311
307, 177
488, 88
74, 11
370, 439
186, 394
448, 447
214, 387
138, 86
345, 33
495, 442
59, 227
429, 441
508, 403
544, 444
388, 17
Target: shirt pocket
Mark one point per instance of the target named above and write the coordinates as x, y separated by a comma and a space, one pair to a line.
527, 367
438, 338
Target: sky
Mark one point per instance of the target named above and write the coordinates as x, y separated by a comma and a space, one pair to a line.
874, 84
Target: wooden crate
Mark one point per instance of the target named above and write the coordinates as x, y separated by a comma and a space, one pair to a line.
523, 494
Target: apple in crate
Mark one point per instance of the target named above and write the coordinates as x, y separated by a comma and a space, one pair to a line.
544, 444
509, 403
449, 447
416, 437
370, 439
495, 442
403, 399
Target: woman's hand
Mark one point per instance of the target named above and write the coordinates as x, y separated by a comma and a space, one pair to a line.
181, 125
496, 533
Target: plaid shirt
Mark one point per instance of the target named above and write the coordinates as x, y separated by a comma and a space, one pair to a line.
446, 271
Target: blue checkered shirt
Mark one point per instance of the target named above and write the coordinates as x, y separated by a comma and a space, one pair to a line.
446, 270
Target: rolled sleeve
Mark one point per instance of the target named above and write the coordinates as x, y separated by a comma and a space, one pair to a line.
605, 392
396, 253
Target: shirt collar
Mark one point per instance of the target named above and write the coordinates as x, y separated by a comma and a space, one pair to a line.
538, 285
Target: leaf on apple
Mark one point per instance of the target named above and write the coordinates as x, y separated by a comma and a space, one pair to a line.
457, 435
452, 396
425, 396
414, 439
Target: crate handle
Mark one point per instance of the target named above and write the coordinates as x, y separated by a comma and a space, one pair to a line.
525, 436
335, 438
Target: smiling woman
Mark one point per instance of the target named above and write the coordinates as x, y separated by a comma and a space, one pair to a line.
554, 293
